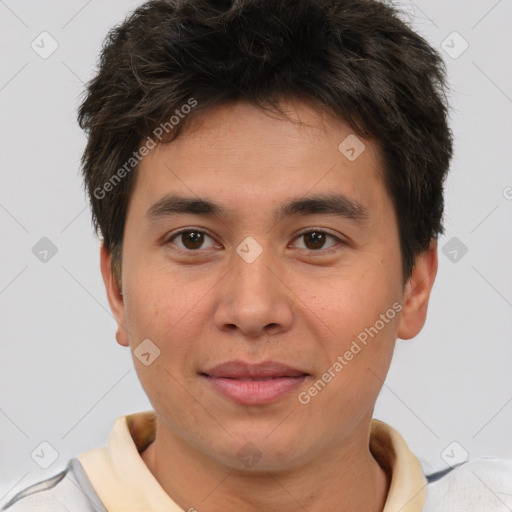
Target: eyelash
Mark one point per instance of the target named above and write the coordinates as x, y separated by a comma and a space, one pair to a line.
319, 252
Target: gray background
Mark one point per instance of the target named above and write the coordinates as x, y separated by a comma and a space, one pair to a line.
64, 379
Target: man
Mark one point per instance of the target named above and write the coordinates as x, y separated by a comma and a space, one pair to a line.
267, 178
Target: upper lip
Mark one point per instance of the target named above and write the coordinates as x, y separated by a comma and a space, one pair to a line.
237, 369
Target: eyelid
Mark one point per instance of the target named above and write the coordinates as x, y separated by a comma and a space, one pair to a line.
321, 230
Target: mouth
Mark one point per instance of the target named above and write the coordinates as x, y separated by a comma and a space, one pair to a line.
254, 384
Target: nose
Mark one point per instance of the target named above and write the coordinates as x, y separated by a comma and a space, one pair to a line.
254, 299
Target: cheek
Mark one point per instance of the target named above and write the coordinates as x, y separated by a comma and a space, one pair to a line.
349, 302
165, 310
158, 299
159, 310
362, 314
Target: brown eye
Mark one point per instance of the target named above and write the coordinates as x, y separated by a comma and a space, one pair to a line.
315, 240
190, 239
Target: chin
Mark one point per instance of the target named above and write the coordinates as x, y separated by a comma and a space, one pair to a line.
260, 453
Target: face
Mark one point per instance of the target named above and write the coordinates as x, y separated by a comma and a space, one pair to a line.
292, 285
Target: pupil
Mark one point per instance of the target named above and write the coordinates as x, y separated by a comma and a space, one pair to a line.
193, 238
317, 239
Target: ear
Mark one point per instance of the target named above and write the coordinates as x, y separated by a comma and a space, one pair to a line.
114, 295
417, 293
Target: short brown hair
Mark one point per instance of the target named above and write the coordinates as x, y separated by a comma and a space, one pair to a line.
354, 58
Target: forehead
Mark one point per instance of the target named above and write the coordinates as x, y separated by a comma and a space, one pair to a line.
242, 154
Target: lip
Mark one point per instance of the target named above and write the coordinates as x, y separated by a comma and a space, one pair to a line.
254, 383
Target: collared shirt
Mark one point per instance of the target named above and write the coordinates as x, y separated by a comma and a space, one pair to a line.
114, 478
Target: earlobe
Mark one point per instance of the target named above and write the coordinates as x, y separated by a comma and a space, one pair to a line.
417, 293
114, 295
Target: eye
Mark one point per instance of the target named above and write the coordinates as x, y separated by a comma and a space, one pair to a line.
191, 239
315, 239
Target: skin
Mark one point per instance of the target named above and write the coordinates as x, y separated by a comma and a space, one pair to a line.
293, 304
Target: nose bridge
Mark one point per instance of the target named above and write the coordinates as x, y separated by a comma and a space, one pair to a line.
253, 299
253, 277
252, 266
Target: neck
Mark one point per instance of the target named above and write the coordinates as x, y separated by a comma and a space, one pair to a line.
347, 479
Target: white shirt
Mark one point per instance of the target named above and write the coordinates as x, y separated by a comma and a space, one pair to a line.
114, 478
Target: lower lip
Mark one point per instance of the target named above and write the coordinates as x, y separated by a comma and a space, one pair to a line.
256, 392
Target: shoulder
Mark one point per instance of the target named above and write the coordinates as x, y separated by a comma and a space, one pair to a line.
481, 485
68, 490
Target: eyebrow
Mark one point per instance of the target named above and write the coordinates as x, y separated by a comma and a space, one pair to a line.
327, 204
